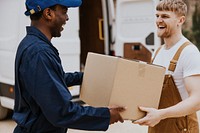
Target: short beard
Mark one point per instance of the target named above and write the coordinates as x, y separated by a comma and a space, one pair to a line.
164, 35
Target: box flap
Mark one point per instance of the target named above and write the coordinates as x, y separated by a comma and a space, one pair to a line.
137, 84
98, 79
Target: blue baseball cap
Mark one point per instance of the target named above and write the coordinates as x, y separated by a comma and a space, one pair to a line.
35, 6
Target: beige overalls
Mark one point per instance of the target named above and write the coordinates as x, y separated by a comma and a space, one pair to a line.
169, 97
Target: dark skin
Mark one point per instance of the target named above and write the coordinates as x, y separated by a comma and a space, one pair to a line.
115, 114
51, 25
51, 22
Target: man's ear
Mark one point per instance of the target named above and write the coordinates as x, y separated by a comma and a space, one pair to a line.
181, 20
48, 14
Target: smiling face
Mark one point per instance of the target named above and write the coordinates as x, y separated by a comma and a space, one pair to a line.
58, 21
170, 17
167, 23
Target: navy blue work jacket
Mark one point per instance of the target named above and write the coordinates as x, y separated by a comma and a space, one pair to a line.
42, 98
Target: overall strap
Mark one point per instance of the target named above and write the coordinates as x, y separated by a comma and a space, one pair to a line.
155, 54
173, 62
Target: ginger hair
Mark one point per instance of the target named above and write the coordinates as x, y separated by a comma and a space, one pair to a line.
177, 6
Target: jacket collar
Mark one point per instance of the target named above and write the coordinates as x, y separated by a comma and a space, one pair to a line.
31, 30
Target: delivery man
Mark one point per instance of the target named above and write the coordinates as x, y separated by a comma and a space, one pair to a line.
42, 99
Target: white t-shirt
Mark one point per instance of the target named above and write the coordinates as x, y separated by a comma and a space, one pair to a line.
188, 63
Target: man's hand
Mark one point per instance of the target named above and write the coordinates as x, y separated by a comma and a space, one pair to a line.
115, 114
152, 117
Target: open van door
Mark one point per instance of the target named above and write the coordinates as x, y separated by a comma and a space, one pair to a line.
97, 27
135, 26
91, 28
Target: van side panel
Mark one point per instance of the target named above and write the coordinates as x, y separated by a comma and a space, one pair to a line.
135, 22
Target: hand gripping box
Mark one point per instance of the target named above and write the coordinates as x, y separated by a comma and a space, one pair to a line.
112, 80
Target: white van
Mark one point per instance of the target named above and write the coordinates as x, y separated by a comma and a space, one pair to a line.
122, 28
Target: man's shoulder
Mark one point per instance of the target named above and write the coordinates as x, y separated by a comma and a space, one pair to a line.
191, 49
190, 54
31, 46
33, 42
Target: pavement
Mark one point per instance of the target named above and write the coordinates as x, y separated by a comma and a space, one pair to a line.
7, 126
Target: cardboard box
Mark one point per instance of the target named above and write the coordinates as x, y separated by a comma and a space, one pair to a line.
111, 80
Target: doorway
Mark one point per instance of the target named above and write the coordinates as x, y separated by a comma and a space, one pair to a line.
91, 29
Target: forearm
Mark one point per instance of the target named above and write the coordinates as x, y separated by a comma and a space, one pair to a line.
73, 78
185, 107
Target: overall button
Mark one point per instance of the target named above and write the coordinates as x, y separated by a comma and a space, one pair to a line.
185, 129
